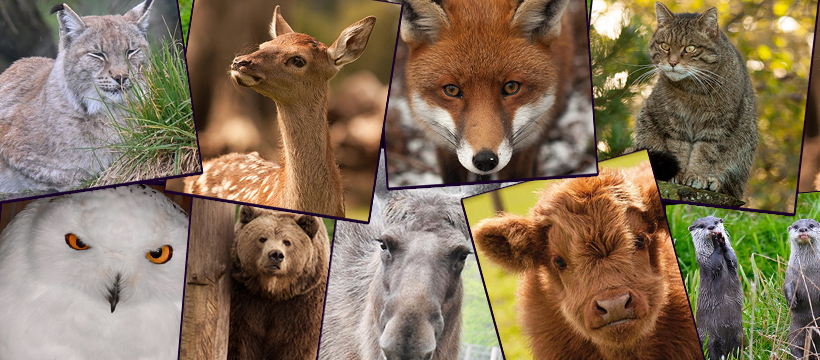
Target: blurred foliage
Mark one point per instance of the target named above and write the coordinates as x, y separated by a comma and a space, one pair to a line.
501, 285
775, 39
762, 247
185, 7
477, 326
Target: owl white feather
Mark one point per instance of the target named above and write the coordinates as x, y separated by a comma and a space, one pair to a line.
93, 275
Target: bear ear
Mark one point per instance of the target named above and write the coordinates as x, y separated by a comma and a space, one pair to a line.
511, 241
309, 224
247, 214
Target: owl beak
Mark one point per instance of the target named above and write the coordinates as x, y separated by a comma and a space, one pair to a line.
114, 292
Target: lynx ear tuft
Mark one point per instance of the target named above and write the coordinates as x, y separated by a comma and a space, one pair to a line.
71, 24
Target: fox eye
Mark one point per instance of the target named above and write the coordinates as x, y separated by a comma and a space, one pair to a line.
511, 88
297, 61
452, 91
689, 49
75, 243
665, 46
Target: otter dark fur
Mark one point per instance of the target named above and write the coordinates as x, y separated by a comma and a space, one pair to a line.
280, 263
720, 297
801, 286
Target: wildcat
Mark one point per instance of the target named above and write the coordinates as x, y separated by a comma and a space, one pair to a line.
700, 121
56, 116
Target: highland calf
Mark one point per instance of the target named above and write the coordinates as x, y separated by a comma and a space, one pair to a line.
599, 274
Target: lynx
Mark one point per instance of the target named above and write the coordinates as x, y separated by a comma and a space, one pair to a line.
55, 121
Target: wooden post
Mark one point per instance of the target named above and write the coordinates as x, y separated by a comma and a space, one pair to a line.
207, 306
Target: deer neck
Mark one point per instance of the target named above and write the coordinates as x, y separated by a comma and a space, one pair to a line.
310, 170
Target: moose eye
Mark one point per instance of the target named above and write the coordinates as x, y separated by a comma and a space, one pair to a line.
75, 243
262, 240
297, 61
511, 88
452, 91
160, 255
689, 48
559, 262
665, 46
286, 242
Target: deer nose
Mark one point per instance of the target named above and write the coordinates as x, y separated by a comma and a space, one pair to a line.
276, 255
615, 308
485, 160
239, 63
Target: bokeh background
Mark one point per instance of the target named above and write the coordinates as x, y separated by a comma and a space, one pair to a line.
234, 119
775, 38
502, 285
761, 244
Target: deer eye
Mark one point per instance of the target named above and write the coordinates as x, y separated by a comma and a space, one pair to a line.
511, 88
297, 61
665, 46
452, 91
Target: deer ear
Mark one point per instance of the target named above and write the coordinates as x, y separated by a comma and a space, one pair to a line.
140, 14
351, 42
421, 21
540, 19
663, 14
278, 26
71, 24
511, 241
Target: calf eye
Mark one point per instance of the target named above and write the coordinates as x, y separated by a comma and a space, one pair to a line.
640, 242
559, 262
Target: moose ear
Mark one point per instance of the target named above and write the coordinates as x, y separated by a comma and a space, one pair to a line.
421, 20
540, 19
308, 223
709, 22
140, 14
351, 42
510, 240
663, 14
278, 26
71, 25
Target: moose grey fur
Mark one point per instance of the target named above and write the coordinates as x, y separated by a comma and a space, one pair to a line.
801, 287
720, 296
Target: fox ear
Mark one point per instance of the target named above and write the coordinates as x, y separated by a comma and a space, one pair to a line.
278, 26
421, 21
71, 24
351, 42
510, 240
540, 19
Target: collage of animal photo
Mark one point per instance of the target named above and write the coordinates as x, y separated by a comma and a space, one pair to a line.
409, 180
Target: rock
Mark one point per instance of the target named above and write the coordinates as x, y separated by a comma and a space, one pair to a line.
672, 191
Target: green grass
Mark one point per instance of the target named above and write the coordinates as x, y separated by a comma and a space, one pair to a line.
761, 244
158, 138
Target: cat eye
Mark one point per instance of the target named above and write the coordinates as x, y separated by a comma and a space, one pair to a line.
452, 91
160, 255
665, 46
75, 243
297, 61
511, 88
98, 55
689, 48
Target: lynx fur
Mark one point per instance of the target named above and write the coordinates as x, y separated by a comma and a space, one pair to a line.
55, 118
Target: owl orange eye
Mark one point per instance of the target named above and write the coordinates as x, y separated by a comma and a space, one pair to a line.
160, 255
74, 242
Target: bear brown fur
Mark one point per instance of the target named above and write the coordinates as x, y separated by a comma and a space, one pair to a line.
279, 264
599, 278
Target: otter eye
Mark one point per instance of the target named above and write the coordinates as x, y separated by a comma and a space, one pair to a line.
452, 91
160, 255
75, 243
665, 46
297, 61
511, 88
689, 48
262, 240
559, 262
286, 242
811, 226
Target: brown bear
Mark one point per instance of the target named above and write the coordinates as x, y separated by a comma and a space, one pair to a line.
599, 278
279, 264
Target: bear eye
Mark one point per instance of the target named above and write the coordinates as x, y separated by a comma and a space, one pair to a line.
664, 46
511, 88
559, 262
262, 240
452, 91
286, 242
160, 255
75, 243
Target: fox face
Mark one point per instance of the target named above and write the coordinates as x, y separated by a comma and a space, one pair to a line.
483, 76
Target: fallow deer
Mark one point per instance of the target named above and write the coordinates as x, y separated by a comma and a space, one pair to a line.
293, 69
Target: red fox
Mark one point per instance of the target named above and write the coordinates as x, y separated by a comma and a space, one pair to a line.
485, 78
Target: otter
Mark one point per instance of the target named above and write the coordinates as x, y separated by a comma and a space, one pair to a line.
801, 286
720, 297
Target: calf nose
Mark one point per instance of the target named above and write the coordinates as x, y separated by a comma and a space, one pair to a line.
485, 160
276, 256
615, 308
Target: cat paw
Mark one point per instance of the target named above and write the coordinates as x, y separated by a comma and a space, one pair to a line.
710, 183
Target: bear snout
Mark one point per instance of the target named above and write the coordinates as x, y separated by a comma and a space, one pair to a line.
273, 259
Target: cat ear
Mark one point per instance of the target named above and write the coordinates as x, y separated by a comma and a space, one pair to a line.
71, 24
540, 18
140, 14
709, 22
664, 15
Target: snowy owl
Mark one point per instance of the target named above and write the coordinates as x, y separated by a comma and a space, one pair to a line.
93, 275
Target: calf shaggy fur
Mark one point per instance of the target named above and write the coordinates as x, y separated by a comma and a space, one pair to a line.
280, 263
599, 279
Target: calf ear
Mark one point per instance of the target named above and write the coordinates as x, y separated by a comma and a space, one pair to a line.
509, 240
351, 42
540, 19
308, 223
421, 20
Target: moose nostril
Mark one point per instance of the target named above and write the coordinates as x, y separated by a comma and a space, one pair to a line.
276, 256
485, 160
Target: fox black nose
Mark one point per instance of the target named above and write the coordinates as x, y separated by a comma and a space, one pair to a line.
485, 160
276, 256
